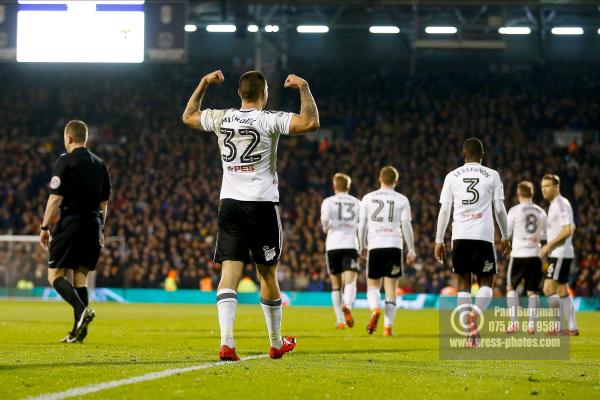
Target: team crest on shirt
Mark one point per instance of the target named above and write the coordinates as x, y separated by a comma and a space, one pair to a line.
487, 267
269, 253
55, 182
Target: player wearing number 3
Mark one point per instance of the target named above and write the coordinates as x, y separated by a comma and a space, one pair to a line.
248, 218
474, 191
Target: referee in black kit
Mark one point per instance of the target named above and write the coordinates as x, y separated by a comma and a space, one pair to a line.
80, 187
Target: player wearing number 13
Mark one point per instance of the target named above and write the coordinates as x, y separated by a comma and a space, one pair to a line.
249, 203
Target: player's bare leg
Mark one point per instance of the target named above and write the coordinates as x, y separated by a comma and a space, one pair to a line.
231, 274
373, 298
349, 296
390, 286
270, 299
336, 300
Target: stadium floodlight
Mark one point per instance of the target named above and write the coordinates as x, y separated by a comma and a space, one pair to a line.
567, 30
221, 28
514, 30
598, 31
252, 28
272, 28
312, 28
445, 30
190, 28
384, 29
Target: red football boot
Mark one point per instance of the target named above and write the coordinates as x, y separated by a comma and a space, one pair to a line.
228, 354
289, 344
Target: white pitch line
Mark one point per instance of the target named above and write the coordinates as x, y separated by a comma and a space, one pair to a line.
83, 390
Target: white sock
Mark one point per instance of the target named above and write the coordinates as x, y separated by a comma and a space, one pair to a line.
336, 300
373, 298
483, 297
554, 302
565, 311
464, 298
349, 294
572, 319
272, 310
389, 313
226, 306
512, 301
533, 305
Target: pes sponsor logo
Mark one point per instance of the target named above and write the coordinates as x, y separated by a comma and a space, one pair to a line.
240, 168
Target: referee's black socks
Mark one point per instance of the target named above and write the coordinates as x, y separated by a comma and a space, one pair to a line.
68, 292
82, 292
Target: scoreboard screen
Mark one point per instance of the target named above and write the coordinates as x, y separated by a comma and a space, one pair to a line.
80, 31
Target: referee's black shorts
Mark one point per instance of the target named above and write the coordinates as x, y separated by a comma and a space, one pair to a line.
76, 242
249, 231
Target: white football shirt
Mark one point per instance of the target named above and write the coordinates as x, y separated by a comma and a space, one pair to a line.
472, 190
339, 217
527, 226
560, 213
381, 214
248, 143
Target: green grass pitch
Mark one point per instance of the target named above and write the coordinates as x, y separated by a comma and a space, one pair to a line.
131, 340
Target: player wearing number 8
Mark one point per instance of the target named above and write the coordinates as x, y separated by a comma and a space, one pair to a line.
474, 191
248, 219
527, 226
339, 219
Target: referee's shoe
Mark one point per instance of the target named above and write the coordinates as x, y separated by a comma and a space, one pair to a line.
79, 331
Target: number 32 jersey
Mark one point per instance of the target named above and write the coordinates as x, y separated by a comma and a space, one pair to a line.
472, 190
248, 143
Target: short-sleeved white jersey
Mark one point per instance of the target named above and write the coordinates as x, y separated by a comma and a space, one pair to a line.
339, 218
472, 190
381, 214
560, 213
527, 226
248, 143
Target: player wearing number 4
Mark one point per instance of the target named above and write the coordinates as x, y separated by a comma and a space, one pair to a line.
527, 226
339, 219
385, 221
248, 218
473, 190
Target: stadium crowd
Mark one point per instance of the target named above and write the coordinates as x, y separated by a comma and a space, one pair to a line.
166, 178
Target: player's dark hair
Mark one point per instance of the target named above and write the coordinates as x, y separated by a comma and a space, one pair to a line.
78, 130
552, 177
342, 182
252, 85
388, 175
473, 147
525, 189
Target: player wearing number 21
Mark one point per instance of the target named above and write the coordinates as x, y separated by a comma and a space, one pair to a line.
248, 217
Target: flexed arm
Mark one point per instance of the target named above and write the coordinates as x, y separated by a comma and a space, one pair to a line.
191, 115
308, 120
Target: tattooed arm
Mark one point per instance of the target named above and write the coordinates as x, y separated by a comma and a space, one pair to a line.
308, 120
191, 115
